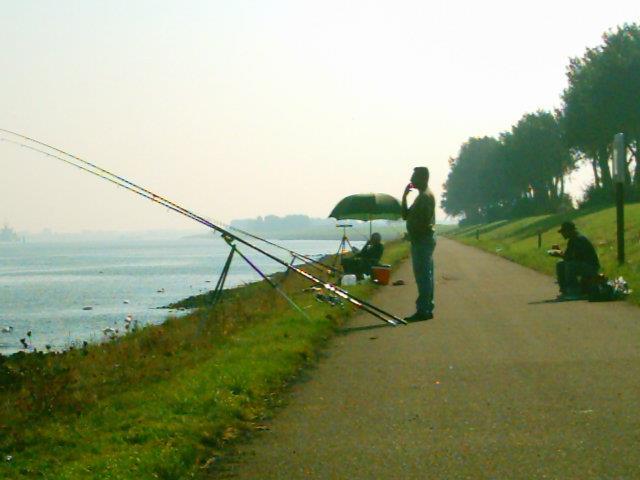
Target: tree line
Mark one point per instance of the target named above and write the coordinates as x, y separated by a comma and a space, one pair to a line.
523, 171
274, 223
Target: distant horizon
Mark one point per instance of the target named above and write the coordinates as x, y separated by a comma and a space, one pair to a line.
193, 230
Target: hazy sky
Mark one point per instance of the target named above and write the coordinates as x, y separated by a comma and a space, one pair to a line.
246, 108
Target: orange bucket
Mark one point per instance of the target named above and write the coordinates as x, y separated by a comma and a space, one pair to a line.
381, 274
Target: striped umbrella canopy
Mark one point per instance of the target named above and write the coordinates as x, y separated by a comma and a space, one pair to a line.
367, 206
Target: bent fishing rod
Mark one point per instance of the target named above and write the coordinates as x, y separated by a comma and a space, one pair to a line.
121, 182
318, 265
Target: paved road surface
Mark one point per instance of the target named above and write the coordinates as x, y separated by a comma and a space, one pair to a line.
499, 385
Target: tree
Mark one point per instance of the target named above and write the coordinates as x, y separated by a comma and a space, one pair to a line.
474, 186
521, 173
538, 159
602, 99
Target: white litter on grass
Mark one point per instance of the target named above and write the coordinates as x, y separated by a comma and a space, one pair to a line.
620, 287
347, 280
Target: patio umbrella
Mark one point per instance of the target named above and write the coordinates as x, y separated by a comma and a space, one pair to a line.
367, 206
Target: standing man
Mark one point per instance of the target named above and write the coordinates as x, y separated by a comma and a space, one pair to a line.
420, 219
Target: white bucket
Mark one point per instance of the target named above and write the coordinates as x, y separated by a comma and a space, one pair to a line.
348, 280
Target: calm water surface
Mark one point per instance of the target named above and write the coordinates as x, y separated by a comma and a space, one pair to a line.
45, 286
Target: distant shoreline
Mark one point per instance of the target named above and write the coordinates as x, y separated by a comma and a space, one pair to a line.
358, 232
354, 234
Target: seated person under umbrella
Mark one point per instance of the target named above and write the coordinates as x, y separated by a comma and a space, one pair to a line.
362, 261
578, 260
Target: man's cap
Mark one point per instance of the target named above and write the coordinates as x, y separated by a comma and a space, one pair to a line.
421, 172
567, 227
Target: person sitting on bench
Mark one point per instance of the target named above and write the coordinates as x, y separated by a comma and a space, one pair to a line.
578, 260
362, 261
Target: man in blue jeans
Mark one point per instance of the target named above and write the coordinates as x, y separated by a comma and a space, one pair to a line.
420, 217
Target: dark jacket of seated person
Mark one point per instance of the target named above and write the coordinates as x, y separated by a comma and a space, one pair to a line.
580, 249
362, 261
580, 259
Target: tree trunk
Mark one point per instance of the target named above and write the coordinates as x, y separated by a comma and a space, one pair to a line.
596, 176
627, 174
605, 171
555, 186
636, 173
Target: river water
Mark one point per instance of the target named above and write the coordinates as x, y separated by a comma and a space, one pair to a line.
45, 287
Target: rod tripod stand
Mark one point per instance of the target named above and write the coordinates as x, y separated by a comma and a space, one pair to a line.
344, 242
218, 290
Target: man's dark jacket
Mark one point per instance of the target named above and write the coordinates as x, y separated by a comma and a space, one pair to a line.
580, 249
371, 254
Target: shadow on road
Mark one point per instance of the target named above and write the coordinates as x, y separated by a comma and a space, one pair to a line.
556, 300
348, 330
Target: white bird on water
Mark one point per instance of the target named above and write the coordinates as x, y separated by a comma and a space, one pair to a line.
8, 329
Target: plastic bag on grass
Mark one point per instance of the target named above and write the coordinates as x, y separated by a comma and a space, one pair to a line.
611, 290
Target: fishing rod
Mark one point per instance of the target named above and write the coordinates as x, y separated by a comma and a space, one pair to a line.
359, 303
306, 258
315, 263
169, 204
123, 183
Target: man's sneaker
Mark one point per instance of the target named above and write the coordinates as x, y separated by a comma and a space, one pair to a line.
418, 317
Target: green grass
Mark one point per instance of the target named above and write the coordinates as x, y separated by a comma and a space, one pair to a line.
517, 240
165, 401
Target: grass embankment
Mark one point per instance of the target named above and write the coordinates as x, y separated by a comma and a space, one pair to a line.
162, 402
517, 240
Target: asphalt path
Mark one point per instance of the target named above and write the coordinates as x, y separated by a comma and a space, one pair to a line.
502, 383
